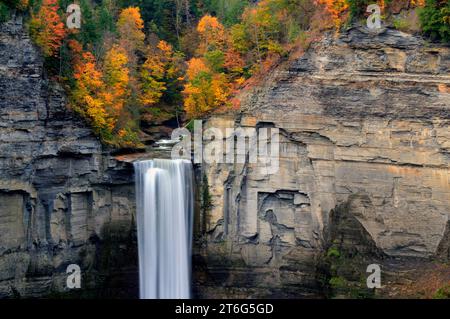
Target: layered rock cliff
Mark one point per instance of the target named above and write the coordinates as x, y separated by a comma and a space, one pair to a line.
63, 198
364, 171
363, 178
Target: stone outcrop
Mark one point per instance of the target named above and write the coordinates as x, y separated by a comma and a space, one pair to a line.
364, 122
63, 199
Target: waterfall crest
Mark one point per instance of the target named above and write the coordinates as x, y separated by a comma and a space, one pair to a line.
164, 198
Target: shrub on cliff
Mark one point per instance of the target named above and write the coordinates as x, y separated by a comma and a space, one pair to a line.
435, 19
442, 293
4, 12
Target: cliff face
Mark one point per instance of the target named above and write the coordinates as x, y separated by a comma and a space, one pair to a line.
364, 166
63, 199
364, 175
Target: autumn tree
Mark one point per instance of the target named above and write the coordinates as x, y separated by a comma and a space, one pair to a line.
337, 9
162, 71
205, 90
100, 94
417, 3
268, 28
233, 62
86, 97
195, 67
116, 79
263, 20
47, 29
212, 34
130, 28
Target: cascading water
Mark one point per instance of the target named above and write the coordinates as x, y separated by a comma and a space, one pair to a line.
164, 197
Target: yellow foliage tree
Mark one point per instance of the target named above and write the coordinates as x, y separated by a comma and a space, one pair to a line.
212, 34
195, 66
130, 26
86, 95
116, 78
205, 91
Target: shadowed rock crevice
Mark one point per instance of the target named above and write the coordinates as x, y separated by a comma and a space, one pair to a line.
443, 251
348, 234
348, 250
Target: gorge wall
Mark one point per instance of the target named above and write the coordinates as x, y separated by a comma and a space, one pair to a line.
364, 178
364, 173
63, 198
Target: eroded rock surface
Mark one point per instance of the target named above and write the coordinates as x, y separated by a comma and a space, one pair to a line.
63, 199
364, 122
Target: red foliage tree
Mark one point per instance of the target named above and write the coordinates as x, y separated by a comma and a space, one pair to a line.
47, 29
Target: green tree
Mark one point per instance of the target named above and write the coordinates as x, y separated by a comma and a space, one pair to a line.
216, 60
435, 19
228, 11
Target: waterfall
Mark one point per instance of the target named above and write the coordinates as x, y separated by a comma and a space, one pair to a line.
164, 198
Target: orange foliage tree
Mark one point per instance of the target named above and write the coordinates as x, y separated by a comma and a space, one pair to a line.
417, 3
234, 62
107, 93
212, 34
86, 95
100, 94
337, 9
209, 75
47, 29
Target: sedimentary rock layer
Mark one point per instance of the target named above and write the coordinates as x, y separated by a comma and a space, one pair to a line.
364, 122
